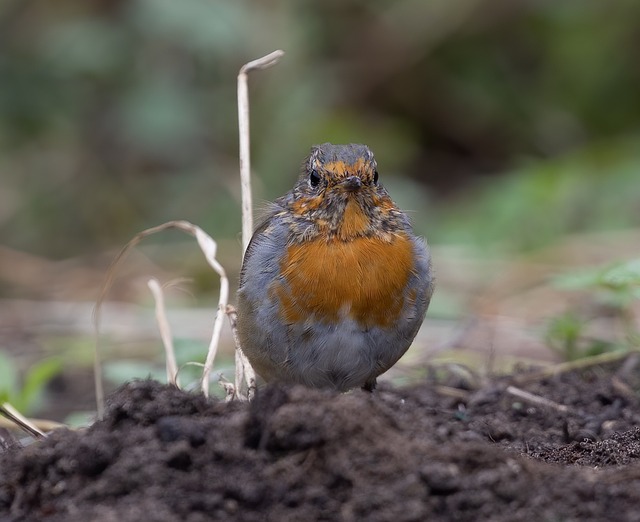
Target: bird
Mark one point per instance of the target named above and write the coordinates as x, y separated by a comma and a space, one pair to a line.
334, 283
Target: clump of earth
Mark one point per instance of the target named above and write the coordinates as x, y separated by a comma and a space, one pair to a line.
531, 446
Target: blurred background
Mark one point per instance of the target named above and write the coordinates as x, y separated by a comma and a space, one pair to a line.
510, 130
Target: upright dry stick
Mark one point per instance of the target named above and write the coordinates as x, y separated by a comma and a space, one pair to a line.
243, 127
165, 331
243, 367
208, 246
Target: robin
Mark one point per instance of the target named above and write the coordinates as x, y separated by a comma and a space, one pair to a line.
334, 284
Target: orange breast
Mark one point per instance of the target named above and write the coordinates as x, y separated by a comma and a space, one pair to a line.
363, 279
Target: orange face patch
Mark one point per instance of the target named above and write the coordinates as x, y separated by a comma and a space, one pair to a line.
338, 170
363, 279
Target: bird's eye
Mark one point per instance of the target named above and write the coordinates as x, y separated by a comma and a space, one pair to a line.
375, 177
314, 178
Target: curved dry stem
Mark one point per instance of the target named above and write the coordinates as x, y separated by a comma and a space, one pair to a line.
208, 247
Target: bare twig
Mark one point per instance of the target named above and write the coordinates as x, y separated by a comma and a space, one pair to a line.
208, 246
243, 367
97, 366
247, 371
15, 416
165, 331
561, 368
536, 399
243, 126
42, 424
448, 391
242, 364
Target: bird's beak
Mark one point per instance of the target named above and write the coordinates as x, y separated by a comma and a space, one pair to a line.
352, 183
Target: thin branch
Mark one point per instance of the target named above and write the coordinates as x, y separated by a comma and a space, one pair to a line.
243, 366
97, 367
449, 391
536, 399
249, 375
578, 364
208, 246
15, 416
243, 127
42, 424
165, 331
262, 63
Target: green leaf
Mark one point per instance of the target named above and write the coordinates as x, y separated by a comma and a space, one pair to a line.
622, 275
580, 280
37, 377
563, 334
619, 276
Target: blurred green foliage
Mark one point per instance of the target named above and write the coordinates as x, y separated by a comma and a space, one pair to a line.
609, 292
616, 285
190, 359
595, 188
513, 121
26, 393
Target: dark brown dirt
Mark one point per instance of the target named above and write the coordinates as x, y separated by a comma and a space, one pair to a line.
429, 452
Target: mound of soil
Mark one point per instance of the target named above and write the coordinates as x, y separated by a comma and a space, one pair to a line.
527, 447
